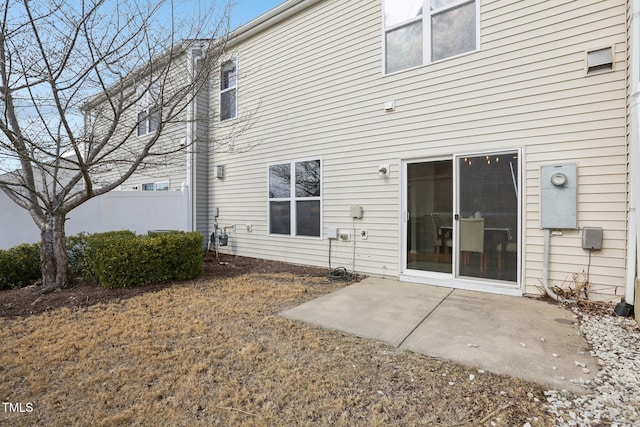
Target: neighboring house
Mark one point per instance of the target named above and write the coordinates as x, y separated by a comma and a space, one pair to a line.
185, 139
424, 114
475, 144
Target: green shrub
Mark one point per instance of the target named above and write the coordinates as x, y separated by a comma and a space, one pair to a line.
124, 260
77, 254
117, 259
20, 265
80, 249
182, 253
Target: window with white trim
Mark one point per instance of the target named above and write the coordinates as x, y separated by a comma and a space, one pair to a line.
228, 86
154, 186
162, 186
295, 190
418, 32
148, 109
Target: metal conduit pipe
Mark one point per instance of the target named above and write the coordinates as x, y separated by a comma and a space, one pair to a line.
545, 269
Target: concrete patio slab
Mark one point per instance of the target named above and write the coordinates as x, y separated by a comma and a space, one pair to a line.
520, 337
384, 310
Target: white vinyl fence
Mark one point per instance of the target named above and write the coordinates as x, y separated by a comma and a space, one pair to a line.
138, 211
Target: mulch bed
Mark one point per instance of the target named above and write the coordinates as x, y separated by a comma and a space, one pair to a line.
31, 301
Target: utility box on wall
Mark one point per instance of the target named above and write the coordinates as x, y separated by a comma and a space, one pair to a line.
558, 193
592, 238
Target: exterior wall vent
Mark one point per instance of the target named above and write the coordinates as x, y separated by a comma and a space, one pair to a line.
599, 60
219, 171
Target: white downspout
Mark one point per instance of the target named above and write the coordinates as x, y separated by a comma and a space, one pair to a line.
189, 176
190, 151
633, 257
631, 261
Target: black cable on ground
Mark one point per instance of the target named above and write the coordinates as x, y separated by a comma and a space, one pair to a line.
341, 274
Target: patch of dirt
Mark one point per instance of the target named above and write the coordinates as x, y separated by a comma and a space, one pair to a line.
584, 306
31, 301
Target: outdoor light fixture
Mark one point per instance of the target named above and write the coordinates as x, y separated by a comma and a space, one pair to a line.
383, 171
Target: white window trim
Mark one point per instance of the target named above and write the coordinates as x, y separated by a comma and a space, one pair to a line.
293, 199
426, 31
155, 187
149, 105
233, 59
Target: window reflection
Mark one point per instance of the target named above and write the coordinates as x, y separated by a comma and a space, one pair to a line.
448, 32
308, 179
399, 11
279, 181
447, 29
404, 47
439, 4
228, 84
295, 207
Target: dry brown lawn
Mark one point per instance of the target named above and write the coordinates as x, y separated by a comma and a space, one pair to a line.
215, 352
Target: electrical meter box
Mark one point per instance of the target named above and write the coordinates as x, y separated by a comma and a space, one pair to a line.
558, 192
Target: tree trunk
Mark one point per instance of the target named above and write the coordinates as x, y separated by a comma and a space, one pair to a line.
53, 254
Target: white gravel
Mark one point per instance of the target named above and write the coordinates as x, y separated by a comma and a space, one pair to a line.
613, 396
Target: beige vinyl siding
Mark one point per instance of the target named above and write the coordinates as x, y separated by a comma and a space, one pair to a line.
169, 167
587, 127
312, 87
201, 167
289, 126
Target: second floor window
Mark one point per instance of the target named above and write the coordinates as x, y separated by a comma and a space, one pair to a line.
148, 109
418, 32
228, 84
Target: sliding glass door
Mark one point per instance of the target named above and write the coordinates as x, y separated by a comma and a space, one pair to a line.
430, 214
488, 216
462, 216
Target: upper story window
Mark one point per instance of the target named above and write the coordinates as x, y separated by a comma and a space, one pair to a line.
228, 85
418, 32
148, 108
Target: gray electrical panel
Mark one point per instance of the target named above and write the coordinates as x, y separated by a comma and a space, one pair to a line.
592, 238
558, 192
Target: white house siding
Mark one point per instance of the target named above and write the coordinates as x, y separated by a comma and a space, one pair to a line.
312, 87
170, 167
201, 147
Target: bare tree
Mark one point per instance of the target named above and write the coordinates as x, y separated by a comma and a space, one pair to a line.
87, 89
